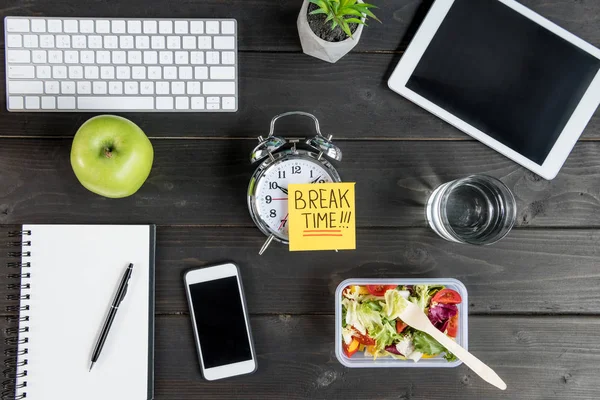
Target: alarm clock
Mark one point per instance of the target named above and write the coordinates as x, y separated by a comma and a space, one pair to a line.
283, 162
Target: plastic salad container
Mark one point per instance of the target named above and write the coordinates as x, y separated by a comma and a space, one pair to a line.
359, 360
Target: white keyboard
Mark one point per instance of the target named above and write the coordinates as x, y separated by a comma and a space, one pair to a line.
94, 64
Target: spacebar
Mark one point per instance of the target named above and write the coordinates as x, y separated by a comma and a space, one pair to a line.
115, 103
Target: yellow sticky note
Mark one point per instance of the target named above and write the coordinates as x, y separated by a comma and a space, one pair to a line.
322, 216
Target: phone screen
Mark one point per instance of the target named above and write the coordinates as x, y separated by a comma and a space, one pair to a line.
220, 322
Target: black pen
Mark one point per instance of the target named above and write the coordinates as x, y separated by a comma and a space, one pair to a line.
119, 296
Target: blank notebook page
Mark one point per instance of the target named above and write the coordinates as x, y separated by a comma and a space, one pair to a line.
75, 271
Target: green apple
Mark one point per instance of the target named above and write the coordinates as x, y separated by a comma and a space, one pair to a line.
111, 156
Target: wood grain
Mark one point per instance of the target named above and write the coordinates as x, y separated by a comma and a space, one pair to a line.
204, 182
530, 272
348, 103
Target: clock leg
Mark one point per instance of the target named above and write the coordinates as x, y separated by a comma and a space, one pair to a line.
267, 243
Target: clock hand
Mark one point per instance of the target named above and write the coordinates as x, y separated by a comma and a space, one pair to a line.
315, 181
283, 221
282, 189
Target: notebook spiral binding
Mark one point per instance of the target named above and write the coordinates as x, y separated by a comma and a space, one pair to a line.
15, 334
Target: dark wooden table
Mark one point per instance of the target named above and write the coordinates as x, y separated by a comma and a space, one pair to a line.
534, 298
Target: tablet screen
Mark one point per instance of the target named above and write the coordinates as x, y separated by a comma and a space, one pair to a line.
505, 75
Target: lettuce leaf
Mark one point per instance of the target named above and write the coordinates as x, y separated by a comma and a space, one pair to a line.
421, 294
394, 305
426, 344
362, 317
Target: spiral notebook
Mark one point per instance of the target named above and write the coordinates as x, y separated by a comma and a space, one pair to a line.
68, 277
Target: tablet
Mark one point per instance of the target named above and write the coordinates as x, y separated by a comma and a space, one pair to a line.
504, 75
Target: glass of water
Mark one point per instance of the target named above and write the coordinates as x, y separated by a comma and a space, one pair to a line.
477, 210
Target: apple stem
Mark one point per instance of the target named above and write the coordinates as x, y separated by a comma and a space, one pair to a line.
108, 152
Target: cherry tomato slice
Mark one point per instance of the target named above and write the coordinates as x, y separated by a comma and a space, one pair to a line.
400, 326
379, 290
447, 296
351, 348
363, 339
452, 328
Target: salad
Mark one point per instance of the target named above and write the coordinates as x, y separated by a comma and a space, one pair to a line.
370, 321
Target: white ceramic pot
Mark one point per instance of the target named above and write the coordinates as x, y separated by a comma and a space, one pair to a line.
322, 49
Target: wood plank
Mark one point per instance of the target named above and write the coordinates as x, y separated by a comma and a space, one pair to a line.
204, 182
530, 272
349, 104
296, 360
271, 26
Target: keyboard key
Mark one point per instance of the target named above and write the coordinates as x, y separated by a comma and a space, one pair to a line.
71, 26
228, 57
66, 103
126, 42
170, 72
32, 102
201, 72
48, 103
38, 25
182, 103
164, 103
181, 57
87, 57
197, 103
43, 72
150, 27
102, 26
84, 87
134, 57
38, 56
19, 56
134, 26
118, 26
17, 25
21, 72
222, 73
30, 41
204, 42
115, 103
138, 73
173, 42
154, 73
227, 27
218, 87
142, 42
189, 42
103, 57
181, 27
162, 88
165, 27
86, 26
54, 26
55, 57
59, 72
14, 41
79, 42
119, 57
91, 72
186, 73
212, 99
157, 42
147, 87
99, 87
212, 27
197, 57
46, 41
123, 73
212, 106
150, 57
166, 57
212, 57
197, 27
15, 102
177, 88
224, 42
115, 87
63, 42
71, 57
193, 88
107, 73
228, 103
76, 72
67, 87
111, 42
52, 87
25, 87
131, 87
94, 42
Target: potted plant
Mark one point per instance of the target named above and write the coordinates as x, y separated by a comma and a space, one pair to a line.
329, 29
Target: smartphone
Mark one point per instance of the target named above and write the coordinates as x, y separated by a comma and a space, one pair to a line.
220, 321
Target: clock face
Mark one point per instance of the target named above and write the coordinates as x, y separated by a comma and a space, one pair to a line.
271, 189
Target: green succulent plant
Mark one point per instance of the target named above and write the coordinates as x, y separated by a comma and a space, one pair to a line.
344, 12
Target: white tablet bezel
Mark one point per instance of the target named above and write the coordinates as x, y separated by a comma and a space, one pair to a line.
568, 137
211, 274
